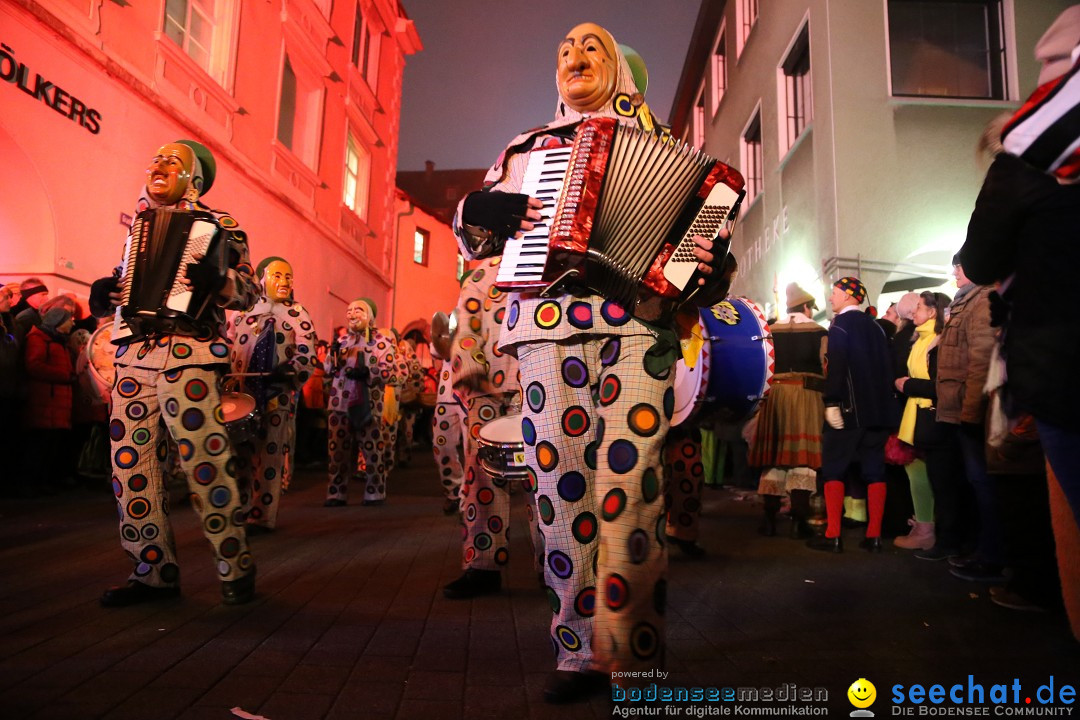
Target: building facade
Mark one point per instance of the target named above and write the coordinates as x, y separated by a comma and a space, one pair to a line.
299, 100
855, 123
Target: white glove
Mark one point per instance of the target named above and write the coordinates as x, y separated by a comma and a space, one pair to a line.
834, 418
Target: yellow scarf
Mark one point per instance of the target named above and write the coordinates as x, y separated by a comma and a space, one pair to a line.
918, 365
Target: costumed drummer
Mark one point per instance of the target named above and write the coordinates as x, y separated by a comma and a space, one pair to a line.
597, 463
167, 370
486, 382
365, 373
273, 355
448, 420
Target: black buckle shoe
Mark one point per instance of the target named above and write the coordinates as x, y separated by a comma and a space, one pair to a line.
473, 583
567, 686
136, 592
239, 591
872, 545
689, 548
800, 530
826, 544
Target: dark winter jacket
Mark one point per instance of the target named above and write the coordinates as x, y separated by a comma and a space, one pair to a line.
1027, 225
859, 372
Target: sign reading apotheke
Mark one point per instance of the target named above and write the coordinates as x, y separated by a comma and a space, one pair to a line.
17, 73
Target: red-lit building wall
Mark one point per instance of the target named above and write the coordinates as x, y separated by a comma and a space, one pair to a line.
70, 178
423, 288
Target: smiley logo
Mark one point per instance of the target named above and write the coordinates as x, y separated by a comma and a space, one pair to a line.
862, 694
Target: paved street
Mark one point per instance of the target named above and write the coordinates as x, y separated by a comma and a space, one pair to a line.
350, 621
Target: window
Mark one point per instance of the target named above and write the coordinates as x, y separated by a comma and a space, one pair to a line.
201, 29
365, 48
420, 246
718, 68
298, 114
357, 177
796, 106
746, 14
750, 150
697, 131
948, 49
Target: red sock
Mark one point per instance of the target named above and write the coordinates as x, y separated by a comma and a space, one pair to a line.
875, 508
834, 507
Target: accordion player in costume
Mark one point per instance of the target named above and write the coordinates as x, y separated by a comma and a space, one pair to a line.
597, 462
184, 265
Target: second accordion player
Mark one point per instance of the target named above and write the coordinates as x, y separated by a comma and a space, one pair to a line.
621, 207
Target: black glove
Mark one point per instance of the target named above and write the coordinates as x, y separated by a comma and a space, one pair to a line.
100, 303
206, 277
358, 373
497, 211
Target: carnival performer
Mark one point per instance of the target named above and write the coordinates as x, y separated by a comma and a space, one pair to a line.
365, 371
410, 400
597, 463
859, 412
447, 424
486, 382
273, 355
169, 372
787, 443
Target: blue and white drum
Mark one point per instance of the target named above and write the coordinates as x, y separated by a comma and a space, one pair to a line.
733, 368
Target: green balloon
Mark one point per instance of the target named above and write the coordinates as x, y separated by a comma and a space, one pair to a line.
637, 68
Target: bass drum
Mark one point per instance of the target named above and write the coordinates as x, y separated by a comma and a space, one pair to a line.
733, 369
100, 354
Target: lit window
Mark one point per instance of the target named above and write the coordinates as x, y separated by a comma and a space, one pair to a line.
298, 114
795, 94
746, 14
750, 150
718, 69
698, 120
420, 246
357, 177
200, 28
948, 49
365, 48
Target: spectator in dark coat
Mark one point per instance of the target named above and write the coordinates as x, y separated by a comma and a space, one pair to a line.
34, 294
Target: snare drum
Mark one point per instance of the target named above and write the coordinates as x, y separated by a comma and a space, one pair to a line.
734, 366
501, 449
241, 419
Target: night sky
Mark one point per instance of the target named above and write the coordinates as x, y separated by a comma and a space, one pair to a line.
487, 70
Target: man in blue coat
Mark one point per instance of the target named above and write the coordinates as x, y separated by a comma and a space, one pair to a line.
859, 410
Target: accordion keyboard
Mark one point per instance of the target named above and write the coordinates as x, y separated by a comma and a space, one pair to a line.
523, 258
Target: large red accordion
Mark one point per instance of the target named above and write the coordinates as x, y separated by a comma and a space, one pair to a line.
620, 209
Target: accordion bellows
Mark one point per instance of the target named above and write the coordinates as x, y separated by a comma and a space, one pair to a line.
620, 210
161, 244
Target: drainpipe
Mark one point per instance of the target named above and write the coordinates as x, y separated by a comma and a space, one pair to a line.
397, 255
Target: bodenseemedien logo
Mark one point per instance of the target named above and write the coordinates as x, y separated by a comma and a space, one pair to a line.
862, 694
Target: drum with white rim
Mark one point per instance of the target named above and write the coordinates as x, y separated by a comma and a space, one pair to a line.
101, 354
240, 416
733, 368
501, 449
